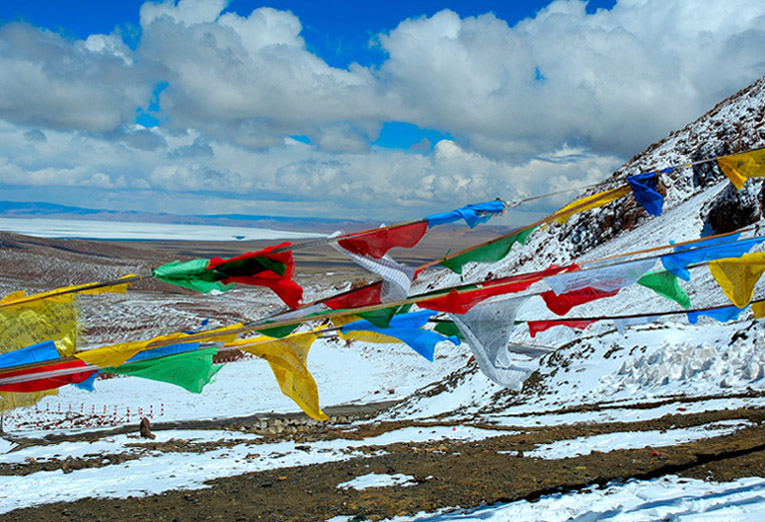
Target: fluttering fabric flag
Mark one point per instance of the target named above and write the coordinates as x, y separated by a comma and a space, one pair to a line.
191, 370
406, 328
397, 277
540, 326
287, 358
162, 351
473, 215
644, 189
39, 352
738, 276
587, 203
758, 309
563, 303
622, 323
488, 253
20, 297
666, 285
365, 296
724, 314
716, 248
268, 267
70, 372
605, 278
487, 328
376, 243
739, 167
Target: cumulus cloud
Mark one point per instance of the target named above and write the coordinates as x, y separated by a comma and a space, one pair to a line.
559, 99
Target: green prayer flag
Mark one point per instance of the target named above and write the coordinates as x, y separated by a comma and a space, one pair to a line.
489, 253
278, 331
448, 328
189, 370
381, 318
192, 275
666, 285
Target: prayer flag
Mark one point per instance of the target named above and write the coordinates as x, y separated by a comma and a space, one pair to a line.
44, 351
472, 214
191, 370
758, 309
397, 277
540, 326
487, 328
490, 252
287, 358
666, 285
587, 203
31, 322
563, 303
407, 328
605, 278
27, 382
644, 189
376, 243
708, 250
361, 297
723, 314
739, 167
738, 276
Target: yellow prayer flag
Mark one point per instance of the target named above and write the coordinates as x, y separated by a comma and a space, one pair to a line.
596, 200
369, 337
342, 320
738, 275
32, 322
19, 297
758, 309
287, 358
739, 167
12, 400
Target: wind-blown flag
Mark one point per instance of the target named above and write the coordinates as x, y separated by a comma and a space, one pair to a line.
287, 358
644, 189
708, 250
739, 167
723, 314
397, 277
666, 285
406, 328
605, 278
269, 268
473, 215
191, 369
540, 326
376, 243
587, 203
54, 373
487, 328
490, 252
738, 276
563, 303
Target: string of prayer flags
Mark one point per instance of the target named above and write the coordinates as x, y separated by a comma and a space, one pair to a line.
112, 287
540, 326
587, 203
739, 167
272, 268
563, 303
191, 370
605, 278
473, 215
644, 189
490, 252
738, 276
666, 285
406, 328
715, 248
397, 277
723, 314
377, 243
487, 328
287, 358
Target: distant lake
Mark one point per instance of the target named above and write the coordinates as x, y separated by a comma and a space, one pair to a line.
116, 230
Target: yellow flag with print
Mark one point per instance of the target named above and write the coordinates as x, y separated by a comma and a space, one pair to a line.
369, 337
287, 358
738, 275
596, 200
739, 167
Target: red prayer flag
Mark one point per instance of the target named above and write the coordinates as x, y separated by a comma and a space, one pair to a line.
563, 303
366, 296
540, 326
377, 243
47, 383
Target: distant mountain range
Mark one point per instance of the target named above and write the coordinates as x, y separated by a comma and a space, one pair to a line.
14, 209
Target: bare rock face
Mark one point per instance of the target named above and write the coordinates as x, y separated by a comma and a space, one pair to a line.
733, 209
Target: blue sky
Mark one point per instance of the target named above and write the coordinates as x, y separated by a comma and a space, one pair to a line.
350, 109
